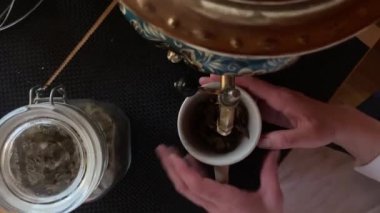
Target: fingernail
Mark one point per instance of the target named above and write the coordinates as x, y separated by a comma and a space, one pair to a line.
203, 79
159, 148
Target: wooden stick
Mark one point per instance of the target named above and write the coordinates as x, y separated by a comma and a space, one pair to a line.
81, 43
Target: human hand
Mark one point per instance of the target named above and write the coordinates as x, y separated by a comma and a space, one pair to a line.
190, 180
310, 123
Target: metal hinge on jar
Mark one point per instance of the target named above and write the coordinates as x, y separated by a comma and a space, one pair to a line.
37, 95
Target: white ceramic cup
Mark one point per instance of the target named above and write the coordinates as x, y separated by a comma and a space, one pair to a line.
220, 161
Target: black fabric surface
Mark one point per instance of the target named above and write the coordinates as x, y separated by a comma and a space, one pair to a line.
118, 66
371, 106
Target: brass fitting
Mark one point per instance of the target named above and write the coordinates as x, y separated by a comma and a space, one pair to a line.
228, 100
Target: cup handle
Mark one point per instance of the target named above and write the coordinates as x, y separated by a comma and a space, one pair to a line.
222, 174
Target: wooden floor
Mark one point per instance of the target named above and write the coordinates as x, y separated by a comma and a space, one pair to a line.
365, 78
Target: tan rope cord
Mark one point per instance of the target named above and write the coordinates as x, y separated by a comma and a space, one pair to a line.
81, 43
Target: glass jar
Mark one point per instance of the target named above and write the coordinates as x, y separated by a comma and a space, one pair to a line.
57, 154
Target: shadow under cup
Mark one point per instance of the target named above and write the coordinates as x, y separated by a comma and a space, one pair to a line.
192, 142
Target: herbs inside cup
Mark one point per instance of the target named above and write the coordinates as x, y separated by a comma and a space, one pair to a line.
204, 124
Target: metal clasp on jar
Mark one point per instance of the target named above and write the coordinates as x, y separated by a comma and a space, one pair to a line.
37, 95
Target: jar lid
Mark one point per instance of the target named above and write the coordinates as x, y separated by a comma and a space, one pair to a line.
259, 27
41, 159
51, 158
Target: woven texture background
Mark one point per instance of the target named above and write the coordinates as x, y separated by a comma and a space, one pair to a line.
118, 66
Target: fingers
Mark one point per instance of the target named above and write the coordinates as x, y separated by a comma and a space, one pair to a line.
205, 188
205, 80
270, 186
217, 197
165, 155
269, 177
272, 116
193, 163
255, 86
284, 139
271, 94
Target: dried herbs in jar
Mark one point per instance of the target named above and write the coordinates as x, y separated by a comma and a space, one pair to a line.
58, 153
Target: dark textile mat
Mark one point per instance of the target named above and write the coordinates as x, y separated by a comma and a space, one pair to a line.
118, 66
371, 106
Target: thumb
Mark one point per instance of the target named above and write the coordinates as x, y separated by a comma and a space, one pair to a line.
212, 78
282, 139
270, 186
